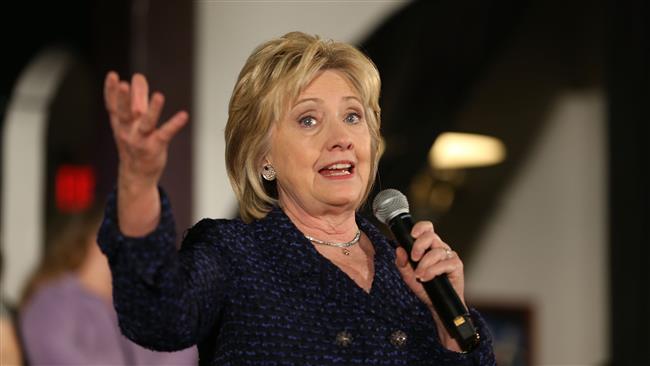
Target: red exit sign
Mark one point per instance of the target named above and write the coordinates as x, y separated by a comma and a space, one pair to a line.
75, 188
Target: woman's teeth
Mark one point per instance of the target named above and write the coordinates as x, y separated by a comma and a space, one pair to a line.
338, 169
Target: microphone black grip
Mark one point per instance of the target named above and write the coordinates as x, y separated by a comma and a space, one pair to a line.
445, 300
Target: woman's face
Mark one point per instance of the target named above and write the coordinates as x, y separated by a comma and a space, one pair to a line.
320, 149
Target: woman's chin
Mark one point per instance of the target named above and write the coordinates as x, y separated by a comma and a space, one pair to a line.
343, 200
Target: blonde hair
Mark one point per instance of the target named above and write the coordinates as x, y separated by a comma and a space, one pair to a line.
272, 77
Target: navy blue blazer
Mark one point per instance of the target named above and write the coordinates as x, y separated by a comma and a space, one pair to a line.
260, 294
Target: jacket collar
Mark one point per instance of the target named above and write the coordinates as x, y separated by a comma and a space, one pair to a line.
297, 254
297, 259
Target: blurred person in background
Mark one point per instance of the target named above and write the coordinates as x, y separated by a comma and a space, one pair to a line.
10, 352
67, 315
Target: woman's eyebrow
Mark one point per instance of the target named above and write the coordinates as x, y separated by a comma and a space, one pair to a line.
352, 97
305, 100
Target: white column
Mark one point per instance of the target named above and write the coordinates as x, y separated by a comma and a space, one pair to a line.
23, 167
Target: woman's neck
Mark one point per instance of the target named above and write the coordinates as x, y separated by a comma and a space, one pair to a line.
328, 224
95, 274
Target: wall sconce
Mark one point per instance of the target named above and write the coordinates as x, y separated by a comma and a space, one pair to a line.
450, 155
454, 150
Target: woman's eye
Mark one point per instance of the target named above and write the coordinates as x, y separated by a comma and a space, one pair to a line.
308, 121
352, 118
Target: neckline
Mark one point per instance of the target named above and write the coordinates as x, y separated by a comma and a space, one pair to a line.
327, 262
330, 271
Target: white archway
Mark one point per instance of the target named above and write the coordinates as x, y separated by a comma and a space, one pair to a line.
24, 164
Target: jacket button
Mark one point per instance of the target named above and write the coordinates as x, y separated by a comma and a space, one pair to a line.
344, 338
398, 338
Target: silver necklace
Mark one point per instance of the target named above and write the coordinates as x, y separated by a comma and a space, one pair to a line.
344, 246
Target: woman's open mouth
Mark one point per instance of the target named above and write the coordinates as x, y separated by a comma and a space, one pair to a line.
339, 169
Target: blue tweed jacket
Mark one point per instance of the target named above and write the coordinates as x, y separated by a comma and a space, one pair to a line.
260, 294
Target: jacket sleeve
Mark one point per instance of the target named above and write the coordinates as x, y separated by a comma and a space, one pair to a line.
165, 299
483, 355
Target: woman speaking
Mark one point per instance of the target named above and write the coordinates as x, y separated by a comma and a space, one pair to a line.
301, 278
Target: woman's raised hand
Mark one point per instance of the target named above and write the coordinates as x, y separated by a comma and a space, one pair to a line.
141, 144
142, 149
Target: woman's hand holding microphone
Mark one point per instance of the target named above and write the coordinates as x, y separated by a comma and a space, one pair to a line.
435, 257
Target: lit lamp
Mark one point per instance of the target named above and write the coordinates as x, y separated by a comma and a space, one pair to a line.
454, 150
451, 153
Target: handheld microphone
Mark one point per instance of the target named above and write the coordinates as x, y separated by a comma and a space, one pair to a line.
391, 207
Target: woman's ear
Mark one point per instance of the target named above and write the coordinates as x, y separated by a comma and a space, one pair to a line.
266, 159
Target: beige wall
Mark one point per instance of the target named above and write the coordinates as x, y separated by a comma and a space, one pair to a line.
546, 244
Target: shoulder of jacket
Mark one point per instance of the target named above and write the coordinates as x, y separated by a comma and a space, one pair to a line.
218, 230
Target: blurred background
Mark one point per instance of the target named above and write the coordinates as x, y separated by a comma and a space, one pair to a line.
519, 127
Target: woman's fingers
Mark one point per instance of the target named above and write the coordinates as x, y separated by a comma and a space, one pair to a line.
123, 110
423, 233
134, 116
110, 91
170, 128
421, 227
139, 95
434, 258
436, 262
150, 119
403, 265
140, 103
407, 273
422, 243
432, 254
401, 259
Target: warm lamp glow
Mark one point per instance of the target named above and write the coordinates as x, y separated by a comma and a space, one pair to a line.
453, 150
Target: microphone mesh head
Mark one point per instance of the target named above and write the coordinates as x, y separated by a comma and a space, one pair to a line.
388, 204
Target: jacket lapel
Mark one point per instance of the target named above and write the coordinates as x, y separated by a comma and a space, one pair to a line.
297, 259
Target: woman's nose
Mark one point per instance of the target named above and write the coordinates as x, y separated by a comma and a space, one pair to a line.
339, 136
